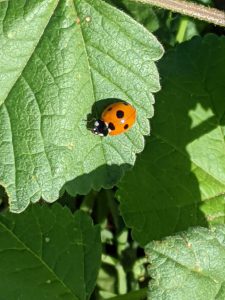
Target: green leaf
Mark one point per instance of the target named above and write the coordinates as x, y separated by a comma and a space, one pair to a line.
190, 265
179, 180
48, 253
141, 12
22, 25
73, 55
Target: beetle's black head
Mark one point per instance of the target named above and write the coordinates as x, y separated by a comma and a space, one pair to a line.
100, 128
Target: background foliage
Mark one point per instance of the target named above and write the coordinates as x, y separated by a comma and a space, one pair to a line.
97, 242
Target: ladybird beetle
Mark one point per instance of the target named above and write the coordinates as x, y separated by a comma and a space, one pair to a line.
115, 119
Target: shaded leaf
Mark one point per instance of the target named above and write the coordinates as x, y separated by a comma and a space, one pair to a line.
179, 180
47, 253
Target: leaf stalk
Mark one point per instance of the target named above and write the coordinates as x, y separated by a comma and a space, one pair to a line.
198, 11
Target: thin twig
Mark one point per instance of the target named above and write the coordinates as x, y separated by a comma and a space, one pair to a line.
191, 9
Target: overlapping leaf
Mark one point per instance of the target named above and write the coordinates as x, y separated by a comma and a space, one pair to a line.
141, 12
48, 254
190, 265
73, 54
179, 180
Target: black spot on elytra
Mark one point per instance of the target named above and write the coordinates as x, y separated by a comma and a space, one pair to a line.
125, 103
126, 126
111, 126
110, 108
119, 114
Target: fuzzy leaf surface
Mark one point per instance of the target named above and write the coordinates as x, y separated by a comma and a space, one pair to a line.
67, 57
189, 265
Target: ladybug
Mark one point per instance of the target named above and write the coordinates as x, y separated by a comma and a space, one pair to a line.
117, 118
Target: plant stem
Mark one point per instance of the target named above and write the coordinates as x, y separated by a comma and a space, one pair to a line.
122, 277
182, 30
88, 202
113, 207
198, 11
